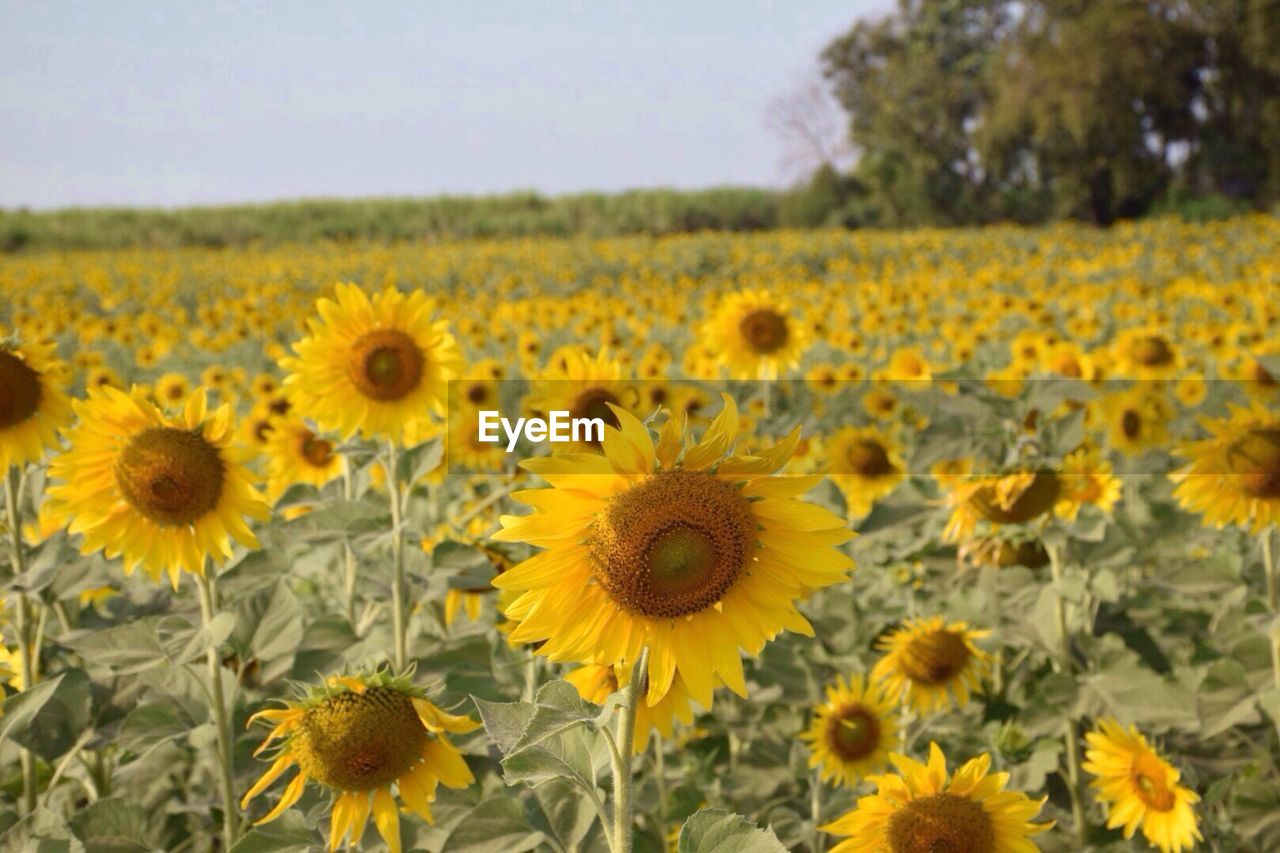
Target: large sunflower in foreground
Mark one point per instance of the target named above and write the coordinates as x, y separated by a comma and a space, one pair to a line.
358, 736
756, 335
165, 492
924, 809
33, 405
1234, 475
373, 366
928, 661
853, 731
694, 552
1140, 788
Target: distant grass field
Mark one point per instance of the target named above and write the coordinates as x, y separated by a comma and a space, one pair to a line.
512, 215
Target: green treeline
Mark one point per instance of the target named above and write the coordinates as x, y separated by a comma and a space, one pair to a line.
971, 111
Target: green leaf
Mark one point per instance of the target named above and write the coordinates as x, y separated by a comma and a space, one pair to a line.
569, 814
124, 649
274, 624
496, 824
504, 721
288, 832
51, 716
470, 567
558, 708
1224, 699
419, 460
719, 831
113, 825
152, 724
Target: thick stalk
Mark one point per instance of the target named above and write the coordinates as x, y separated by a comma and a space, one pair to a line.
1273, 600
349, 555
398, 613
815, 808
1070, 735
28, 653
218, 706
623, 789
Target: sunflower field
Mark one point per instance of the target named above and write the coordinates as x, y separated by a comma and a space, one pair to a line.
896, 542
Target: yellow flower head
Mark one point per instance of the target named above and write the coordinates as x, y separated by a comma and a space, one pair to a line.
374, 366
853, 731
358, 736
924, 808
1234, 474
162, 492
33, 402
1140, 789
927, 662
755, 335
695, 552
866, 465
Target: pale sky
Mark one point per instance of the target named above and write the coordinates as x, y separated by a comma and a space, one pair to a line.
176, 102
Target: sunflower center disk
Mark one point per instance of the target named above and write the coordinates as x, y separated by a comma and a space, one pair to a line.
1152, 351
764, 331
594, 403
941, 823
19, 390
385, 365
316, 451
1255, 458
1148, 782
673, 545
854, 733
869, 459
936, 657
171, 476
1131, 423
1037, 499
360, 741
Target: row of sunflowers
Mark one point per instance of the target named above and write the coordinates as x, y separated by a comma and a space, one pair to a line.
893, 542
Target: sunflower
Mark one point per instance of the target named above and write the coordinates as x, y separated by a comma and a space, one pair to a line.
755, 335
922, 808
164, 492
865, 465
692, 552
1234, 474
1145, 353
172, 389
1137, 419
585, 386
595, 683
358, 736
33, 404
852, 732
1086, 478
1140, 788
927, 662
373, 366
295, 454
1000, 499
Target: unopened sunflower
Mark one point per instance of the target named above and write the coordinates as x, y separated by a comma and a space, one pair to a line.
374, 366
924, 809
853, 731
33, 404
756, 335
928, 662
695, 553
1140, 789
358, 736
165, 492
1234, 474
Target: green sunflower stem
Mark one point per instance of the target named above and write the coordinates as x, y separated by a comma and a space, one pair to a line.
218, 706
623, 804
349, 556
815, 808
28, 651
398, 613
1070, 736
1273, 599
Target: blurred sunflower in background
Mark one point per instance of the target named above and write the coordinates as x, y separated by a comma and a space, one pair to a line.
1140, 789
865, 464
162, 492
358, 736
295, 454
1086, 478
756, 335
928, 662
694, 552
853, 731
999, 499
33, 402
585, 386
924, 809
1234, 474
376, 366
